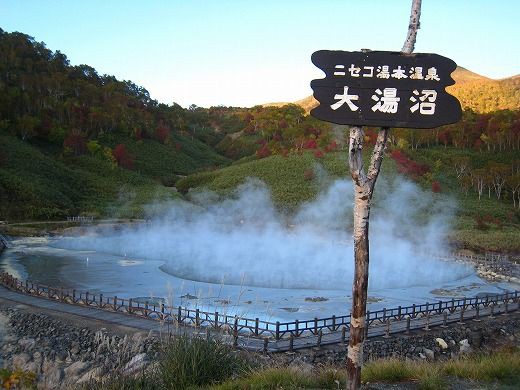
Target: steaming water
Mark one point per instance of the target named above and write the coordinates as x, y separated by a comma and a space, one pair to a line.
240, 255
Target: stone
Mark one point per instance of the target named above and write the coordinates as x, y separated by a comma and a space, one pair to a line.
441, 343
27, 343
430, 355
421, 355
465, 347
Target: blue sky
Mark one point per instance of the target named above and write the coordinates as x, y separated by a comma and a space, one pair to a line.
250, 52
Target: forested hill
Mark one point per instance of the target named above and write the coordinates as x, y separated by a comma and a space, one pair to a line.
71, 139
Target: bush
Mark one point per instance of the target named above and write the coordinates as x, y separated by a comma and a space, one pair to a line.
190, 361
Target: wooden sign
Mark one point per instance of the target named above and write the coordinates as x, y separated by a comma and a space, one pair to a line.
385, 89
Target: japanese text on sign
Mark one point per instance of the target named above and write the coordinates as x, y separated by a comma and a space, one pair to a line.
384, 89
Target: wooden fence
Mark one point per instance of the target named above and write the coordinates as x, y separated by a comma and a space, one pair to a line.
255, 327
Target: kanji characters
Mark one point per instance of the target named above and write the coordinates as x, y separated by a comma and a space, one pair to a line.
399, 73
345, 98
387, 103
416, 73
425, 102
432, 74
383, 72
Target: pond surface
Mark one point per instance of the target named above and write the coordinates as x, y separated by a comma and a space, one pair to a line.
49, 261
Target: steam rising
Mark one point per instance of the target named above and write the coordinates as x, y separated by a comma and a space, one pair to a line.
244, 240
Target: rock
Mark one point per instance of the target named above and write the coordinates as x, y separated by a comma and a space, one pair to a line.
430, 355
464, 346
77, 368
421, 355
441, 343
27, 343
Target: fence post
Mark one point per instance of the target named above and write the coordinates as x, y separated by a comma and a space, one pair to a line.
266, 342
333, 323
343, 334
115, 302
277, 330
100, 300
427, 327
444, 320
407, 331
492, 313
413, 310
440, 307
74, 296
461, 321
179, 315
86, 298
367, 323
477, 313
130, 306
197, 317
315, 326
257, 325
506, 304
291, 343
297, 327
387, 330
399, 309
318, 341
216, 320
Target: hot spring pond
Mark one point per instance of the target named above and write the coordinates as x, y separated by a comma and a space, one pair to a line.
281, 292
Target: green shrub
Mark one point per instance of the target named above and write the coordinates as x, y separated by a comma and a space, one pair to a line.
191, 361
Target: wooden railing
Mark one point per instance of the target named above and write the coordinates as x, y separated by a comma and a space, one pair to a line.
256, 328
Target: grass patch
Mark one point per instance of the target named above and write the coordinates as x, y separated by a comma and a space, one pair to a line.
193, 362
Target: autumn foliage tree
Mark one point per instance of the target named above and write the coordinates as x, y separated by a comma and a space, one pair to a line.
122, 157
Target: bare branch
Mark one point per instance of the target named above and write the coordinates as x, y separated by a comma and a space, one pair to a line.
413, 26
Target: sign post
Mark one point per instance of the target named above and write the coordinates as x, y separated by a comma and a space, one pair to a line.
386, 89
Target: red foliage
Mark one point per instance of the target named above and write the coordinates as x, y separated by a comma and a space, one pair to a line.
370, 136
333, 146
282, 124
122, 157
263, 152
277, 137
436, 186
76, 143
162, 132
261, 142
407, 166
310, 144
318, 154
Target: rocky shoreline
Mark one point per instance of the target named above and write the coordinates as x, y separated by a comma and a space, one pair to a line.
64, 354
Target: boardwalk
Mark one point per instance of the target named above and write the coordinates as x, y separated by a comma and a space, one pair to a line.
246, 341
